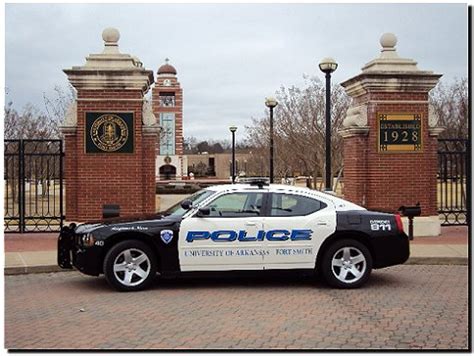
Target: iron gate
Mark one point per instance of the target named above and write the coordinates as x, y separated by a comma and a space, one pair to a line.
452, 181
33, 184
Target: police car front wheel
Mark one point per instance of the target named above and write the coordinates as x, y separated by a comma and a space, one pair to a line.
346, 264
129, 266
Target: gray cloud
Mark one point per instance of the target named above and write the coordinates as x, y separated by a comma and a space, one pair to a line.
228, 56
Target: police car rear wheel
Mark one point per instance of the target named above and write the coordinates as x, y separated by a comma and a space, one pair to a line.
130, 266
346, 264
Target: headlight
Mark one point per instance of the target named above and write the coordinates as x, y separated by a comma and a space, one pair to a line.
88, 240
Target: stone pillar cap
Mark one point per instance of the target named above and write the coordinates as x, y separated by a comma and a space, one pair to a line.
389, 61
111, 69
110, 58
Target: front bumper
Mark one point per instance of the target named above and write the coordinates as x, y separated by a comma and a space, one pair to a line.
72, 254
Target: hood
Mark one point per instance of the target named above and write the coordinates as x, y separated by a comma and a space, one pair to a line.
118, 223
128, 218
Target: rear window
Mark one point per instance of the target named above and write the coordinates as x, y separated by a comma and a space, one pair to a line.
294, 205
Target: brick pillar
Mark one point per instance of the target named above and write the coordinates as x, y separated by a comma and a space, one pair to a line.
390, 138
355, 168
110, 136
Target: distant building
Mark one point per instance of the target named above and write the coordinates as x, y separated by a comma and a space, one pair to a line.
167, 102
217, 165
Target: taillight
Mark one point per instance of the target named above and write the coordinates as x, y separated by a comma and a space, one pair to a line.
398, 221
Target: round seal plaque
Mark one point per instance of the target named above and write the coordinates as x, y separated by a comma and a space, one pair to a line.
109, 132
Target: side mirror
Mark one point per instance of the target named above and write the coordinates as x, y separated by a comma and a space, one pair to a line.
204, 211
187, 204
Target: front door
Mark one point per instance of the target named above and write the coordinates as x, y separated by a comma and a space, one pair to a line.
229, 238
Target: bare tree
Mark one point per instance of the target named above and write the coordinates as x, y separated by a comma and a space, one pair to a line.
451, 104
299, 131
33, 123
193, 146
28, 124
57, 105
190, 145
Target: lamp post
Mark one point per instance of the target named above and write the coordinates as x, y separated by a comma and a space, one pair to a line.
233, 129
328, 65
271, 103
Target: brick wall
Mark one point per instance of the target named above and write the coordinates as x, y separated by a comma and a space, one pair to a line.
93, 180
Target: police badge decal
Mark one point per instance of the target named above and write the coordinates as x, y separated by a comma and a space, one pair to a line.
166, 236
109, 132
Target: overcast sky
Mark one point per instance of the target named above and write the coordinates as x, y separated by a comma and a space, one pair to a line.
229, 57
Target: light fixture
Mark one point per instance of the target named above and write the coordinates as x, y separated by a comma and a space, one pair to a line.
327, 65
271, 102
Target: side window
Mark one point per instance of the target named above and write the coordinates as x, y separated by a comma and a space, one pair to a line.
294, 205
237, 205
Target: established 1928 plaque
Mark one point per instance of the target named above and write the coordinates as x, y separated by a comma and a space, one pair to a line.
109, 132
399, 132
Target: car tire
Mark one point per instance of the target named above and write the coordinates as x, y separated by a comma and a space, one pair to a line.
130, 266
346, 263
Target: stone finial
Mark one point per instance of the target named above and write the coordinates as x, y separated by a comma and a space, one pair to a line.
111, 37
388, 41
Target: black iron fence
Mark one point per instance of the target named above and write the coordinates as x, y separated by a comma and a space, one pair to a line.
452, 181
33, 185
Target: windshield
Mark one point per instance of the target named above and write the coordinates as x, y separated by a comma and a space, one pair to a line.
196, 198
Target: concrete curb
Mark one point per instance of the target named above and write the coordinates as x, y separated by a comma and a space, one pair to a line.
462, 261
9, 271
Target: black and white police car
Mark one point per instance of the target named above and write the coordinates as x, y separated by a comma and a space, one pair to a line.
240, 227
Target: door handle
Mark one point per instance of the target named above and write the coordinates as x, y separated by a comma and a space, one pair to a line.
321, 223
250, 224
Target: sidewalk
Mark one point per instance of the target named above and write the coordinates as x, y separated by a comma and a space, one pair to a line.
36, 252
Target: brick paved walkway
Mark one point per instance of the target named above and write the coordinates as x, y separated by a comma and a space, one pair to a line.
401, 307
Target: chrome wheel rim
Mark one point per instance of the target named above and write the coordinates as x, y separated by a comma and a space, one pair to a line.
131, 267
348, 264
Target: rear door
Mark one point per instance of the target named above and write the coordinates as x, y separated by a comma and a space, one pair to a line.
230, 238
295, 227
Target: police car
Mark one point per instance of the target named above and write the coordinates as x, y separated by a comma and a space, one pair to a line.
240, 227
